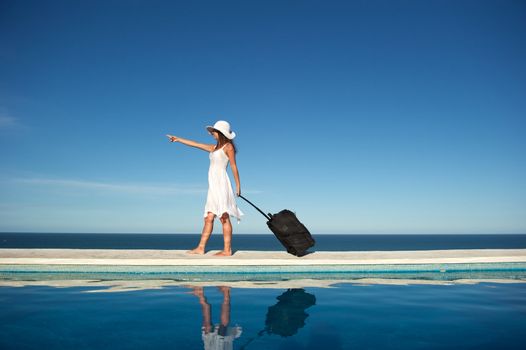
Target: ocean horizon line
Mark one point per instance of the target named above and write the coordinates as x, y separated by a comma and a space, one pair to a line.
265, 233
263, 241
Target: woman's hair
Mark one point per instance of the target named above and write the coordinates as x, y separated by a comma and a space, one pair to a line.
223, 140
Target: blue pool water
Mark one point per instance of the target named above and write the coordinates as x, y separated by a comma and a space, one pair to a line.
347, 316
163, 307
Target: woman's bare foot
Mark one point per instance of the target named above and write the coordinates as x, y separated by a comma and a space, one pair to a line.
197, 250
224, 253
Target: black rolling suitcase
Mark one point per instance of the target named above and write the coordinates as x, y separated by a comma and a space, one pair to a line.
288, 230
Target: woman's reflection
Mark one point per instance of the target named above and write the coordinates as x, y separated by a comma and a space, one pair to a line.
219, 336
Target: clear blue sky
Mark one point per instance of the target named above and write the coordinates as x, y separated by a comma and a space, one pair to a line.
361, 116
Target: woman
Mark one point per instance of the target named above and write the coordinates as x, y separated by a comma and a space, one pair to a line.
220, 200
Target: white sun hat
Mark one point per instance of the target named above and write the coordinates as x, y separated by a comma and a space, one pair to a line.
223, 127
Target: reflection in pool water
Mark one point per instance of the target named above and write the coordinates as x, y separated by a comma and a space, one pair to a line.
284, 319
344, 316
221, 335
288, 315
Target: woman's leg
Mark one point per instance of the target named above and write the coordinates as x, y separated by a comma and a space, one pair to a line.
205, 235
227, 235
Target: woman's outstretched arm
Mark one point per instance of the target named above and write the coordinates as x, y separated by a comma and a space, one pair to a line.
203, 146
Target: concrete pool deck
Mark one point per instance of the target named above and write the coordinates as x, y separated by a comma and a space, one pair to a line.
147, 257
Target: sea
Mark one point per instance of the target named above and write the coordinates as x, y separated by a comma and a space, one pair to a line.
262, 242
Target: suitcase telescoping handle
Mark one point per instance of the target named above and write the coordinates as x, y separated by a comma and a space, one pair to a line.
249, 202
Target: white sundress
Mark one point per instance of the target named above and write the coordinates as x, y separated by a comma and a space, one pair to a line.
220, 198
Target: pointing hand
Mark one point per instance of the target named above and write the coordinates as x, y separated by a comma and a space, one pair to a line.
172, 138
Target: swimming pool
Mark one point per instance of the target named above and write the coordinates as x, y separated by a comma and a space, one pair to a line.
371, 306
377, 315
514, 270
